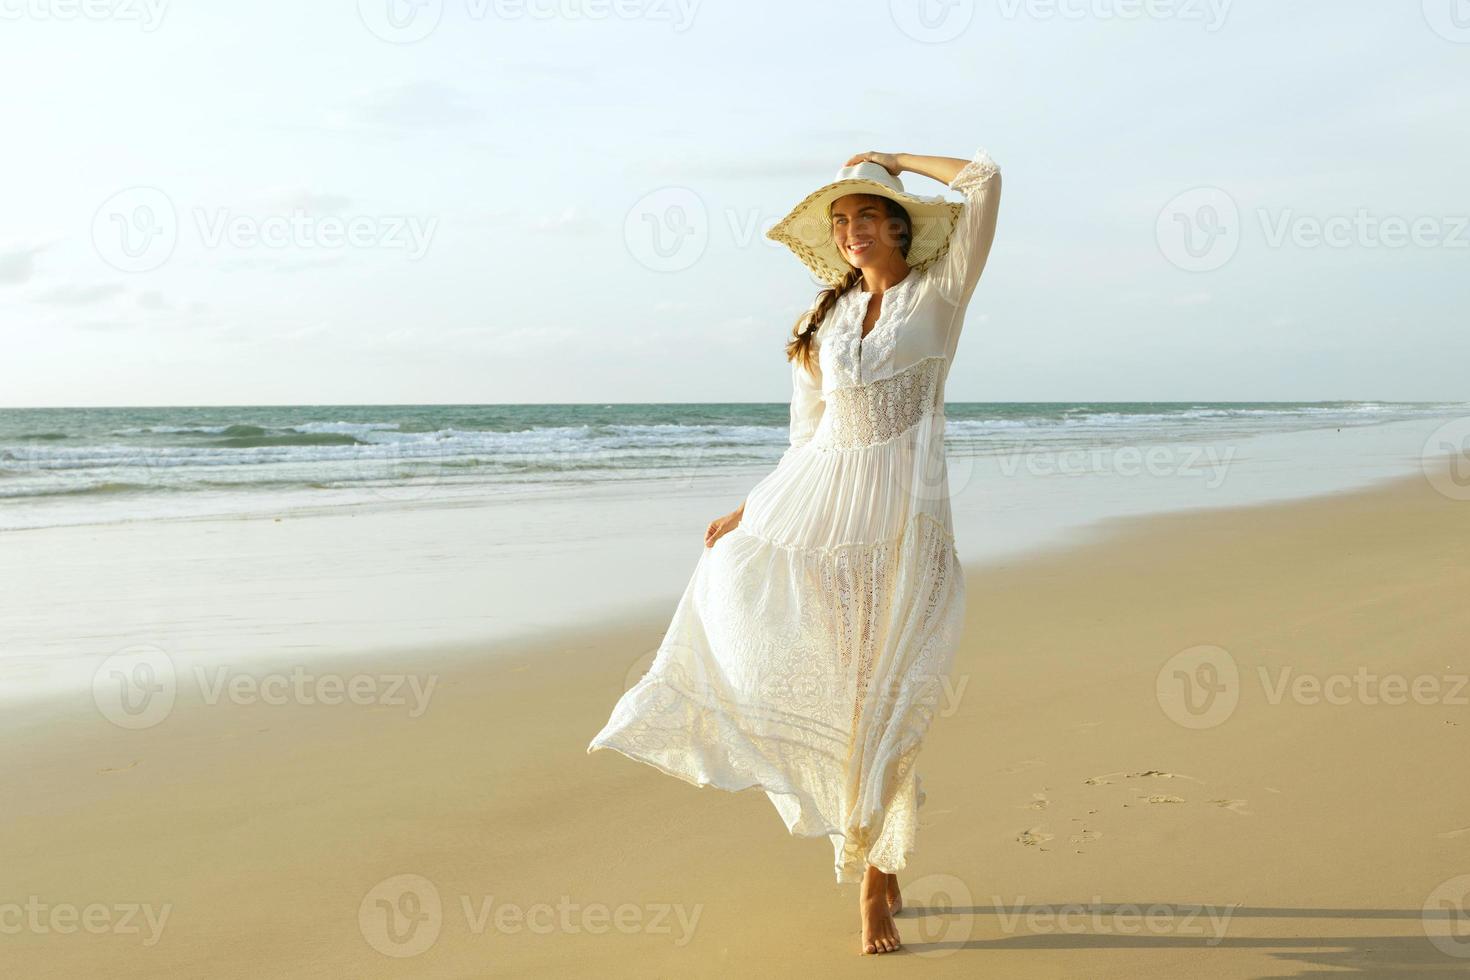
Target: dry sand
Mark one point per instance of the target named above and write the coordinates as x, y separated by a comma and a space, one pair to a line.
1081, 821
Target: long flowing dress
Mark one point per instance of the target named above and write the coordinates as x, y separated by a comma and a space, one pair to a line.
809, 652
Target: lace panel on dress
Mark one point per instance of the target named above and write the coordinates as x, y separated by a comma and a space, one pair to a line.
866, 415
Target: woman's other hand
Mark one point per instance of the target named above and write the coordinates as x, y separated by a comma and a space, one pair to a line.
721, 526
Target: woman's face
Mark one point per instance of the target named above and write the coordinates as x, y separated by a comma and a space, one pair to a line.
864, 233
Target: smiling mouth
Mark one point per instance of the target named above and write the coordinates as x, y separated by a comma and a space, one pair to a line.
858, 248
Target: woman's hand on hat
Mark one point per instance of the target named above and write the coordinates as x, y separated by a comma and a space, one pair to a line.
887, 161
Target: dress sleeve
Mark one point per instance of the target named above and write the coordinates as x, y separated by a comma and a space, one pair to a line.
958, 272
806, 405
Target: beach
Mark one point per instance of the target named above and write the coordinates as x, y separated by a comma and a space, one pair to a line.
366, 404
1222, 740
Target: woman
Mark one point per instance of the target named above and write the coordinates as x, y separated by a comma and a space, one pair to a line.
809, 650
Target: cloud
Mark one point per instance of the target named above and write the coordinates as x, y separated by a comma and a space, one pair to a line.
18, 265
102, 325
732, 167
563, 73
417, 106
74, 295
311, 202
1194, 299
569, 221
409, 110
286, 264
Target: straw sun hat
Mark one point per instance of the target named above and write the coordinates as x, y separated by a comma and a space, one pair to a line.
807, 229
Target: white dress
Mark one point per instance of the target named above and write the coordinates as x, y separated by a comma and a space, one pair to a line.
809, 652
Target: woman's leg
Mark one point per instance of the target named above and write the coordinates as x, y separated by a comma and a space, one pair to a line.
880, 935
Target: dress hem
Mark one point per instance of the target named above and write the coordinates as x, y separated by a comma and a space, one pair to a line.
839, 839
842, 878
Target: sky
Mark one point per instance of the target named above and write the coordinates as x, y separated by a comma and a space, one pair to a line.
498, 201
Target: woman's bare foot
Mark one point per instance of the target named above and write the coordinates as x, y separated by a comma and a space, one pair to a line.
895, 897
880, 935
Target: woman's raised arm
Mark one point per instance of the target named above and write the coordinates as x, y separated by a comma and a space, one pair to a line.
958, 271
942, 169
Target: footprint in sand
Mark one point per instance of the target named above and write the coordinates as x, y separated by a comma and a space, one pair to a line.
1234, 806
1164, 799
1034, 836
1107, 777
1454, 833
1161, 774
1038, 802
1086, 837
107, 769
1022, 766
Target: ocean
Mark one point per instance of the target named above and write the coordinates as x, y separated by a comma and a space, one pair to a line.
63, 466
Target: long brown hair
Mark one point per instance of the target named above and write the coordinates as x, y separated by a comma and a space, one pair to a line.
805, 330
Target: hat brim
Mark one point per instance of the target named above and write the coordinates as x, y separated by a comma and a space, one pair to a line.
807, 232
